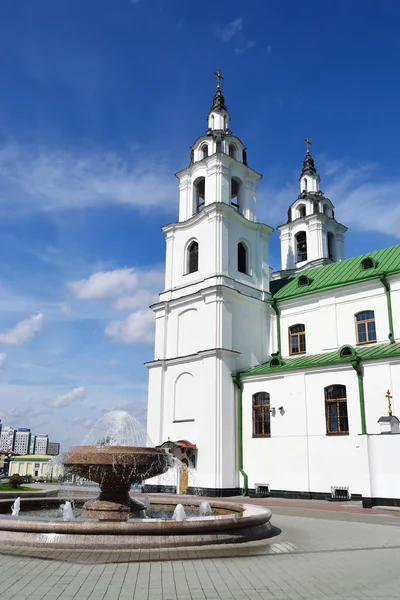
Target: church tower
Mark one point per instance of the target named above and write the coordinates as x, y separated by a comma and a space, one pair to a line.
311, 236
212, 318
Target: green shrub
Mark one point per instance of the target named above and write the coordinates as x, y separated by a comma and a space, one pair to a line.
15, 481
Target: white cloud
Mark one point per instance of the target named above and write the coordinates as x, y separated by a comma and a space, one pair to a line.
105, 284
68, 398
83, 422
141, 299
250, 44
3, 358
48, 180
230, 30
23, 331
137, 327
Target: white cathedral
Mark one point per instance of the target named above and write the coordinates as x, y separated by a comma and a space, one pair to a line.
283, 383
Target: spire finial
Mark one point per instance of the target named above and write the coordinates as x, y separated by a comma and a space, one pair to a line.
219, 77
307, 141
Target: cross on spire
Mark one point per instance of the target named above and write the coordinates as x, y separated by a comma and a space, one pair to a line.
307, 141
219, 76
389, 397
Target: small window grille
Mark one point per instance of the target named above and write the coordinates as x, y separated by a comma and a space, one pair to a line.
275, 362
262, 489
340, 493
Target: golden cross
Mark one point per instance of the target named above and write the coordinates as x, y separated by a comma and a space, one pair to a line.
307, 141
389, 397
218, 74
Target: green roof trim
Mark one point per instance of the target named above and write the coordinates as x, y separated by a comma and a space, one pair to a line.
337, 274
370, 352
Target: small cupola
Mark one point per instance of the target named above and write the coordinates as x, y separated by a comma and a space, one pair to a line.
218, 116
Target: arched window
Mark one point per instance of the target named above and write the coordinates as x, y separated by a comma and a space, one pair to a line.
204, 151
242, 257
261, 415
301, 210
337, 421
235, 186
297, 339
301, 246
325, 209
193, 257
331, 246
199, 193
232, 150
304, 184
367, 263
366, 331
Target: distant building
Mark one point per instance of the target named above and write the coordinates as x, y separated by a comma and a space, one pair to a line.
32, 444
53, 448
41, 444
35, 465
22, 441
7, 438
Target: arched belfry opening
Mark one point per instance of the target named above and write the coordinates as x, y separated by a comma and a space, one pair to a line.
242, 258
193, 257
232, 150
204, 151
301, 210
199, 190
301, 246
331, 246
235, 193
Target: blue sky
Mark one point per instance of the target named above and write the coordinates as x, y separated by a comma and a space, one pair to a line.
100, 103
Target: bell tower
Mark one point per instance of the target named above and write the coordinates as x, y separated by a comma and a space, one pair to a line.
312, 236
212, 318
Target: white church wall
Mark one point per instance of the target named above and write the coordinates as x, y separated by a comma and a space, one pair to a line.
384, 465
394, 282
299, 455
329, 316
380, 376
197, 404
248, 332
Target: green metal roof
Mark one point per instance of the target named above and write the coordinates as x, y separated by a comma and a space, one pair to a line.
370, 352
337, 274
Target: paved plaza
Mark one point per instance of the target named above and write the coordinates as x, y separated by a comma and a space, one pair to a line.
323, 551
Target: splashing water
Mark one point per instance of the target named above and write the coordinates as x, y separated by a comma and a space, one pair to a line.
67, 512
117, 428
179, 513
16, 507
146, 501
205, 509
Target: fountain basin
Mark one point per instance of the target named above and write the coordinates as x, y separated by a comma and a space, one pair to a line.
115, 469
243, 523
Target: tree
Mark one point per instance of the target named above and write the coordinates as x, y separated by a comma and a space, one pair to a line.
15, 480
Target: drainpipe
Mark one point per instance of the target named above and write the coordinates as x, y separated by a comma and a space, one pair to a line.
385, 284
239, 385
275, 308
356, 364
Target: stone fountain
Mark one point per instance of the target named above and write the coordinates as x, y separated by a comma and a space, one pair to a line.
115, 456
117, 453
